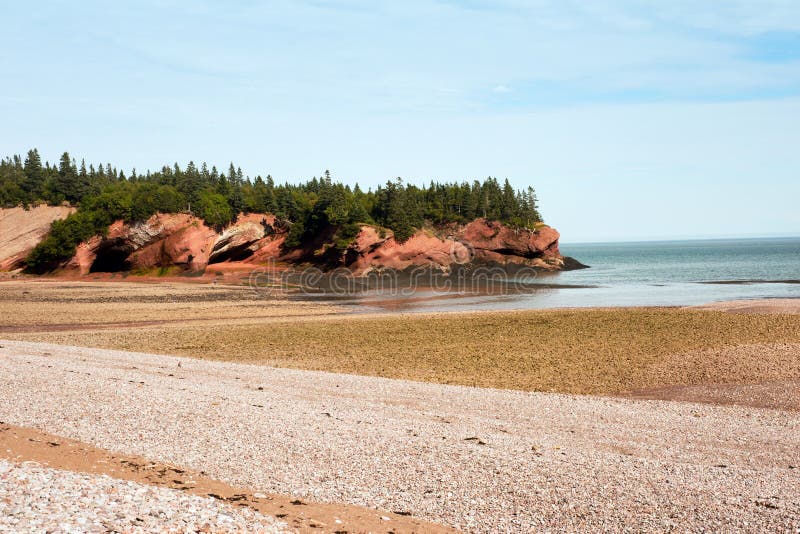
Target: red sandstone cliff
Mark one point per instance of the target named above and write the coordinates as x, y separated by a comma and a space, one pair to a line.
175, 241
182, 242
478, 241
187, 243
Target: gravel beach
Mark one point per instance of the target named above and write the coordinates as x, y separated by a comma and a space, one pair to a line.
482, 460
40, 499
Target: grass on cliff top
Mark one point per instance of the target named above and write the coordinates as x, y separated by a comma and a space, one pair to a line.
571, 351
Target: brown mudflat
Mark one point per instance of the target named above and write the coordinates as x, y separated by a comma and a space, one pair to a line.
772, 395
765, 365
21, 444
649, 352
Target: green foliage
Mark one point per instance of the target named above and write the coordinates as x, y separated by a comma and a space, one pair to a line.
113, 203
295, 236
397, 208
320, 207
63, 238
345, 235
214, 209
150, 198
34, 175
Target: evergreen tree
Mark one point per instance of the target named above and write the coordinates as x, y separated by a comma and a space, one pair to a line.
34, 175
66, 185
508, 202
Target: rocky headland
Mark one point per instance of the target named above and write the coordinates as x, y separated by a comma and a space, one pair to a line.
183, 243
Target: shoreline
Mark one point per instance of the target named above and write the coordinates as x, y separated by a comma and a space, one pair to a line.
702, 353
612, 350
399, 300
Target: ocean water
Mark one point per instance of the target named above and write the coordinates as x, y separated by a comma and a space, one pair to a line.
663, 273
687, 272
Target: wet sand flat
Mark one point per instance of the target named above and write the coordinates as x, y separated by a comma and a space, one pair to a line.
57, 305
754, 306
597, 351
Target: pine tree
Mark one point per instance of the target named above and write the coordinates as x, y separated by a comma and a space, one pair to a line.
508, 202
34, 175
85, 182
66, 185
236, 199
189, 182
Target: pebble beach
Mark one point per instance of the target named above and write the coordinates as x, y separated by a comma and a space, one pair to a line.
480, 460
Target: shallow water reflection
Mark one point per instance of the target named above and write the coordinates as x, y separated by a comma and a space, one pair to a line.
670, 273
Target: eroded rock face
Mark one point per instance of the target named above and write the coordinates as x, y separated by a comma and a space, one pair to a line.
21, 230
494, 237
185, 242
164, 240
371, 250
243, 238
187, 247
85, 254
480, 241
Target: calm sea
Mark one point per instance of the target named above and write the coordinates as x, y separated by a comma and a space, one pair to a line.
636, 274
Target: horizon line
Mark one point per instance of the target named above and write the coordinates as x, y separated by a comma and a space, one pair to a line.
707, 237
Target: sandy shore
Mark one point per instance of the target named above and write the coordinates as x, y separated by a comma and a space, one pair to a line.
478, 459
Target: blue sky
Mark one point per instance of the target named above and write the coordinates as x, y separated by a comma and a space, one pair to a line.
633, 119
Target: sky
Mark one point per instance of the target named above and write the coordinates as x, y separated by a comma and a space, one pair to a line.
633, 119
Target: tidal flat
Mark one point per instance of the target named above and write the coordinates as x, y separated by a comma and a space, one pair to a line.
627, 351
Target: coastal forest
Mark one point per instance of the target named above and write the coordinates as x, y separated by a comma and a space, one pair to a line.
104, 194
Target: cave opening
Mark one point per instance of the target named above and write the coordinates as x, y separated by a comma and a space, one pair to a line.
516, 252
112, 257
239, 253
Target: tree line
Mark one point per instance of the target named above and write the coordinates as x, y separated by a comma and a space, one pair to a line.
104, 194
